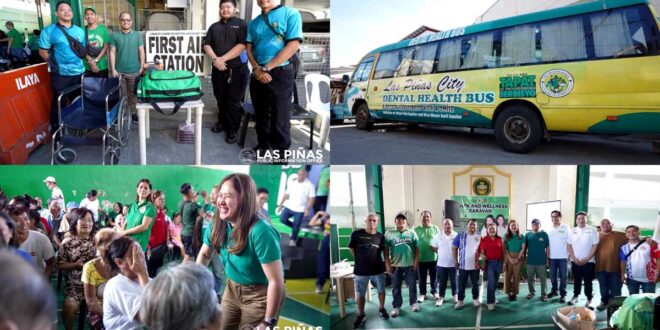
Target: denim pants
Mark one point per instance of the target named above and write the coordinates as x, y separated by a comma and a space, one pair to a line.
610, 285
443, 274
403, 274
558, 267
462, 281
297, 221
493, 270
587, 273
424, 269
634, 286
218, 274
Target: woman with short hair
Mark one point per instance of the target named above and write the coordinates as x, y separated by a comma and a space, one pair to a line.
492, 253
250, 251
75, 251
96, 274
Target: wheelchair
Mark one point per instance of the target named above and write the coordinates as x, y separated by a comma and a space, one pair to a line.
99, 107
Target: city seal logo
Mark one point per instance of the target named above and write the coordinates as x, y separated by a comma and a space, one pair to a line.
556, 83
481, 186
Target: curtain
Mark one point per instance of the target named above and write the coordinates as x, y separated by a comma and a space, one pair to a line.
480, 51
563, 40
518, 45
406, 62
424, 58
611, 35
387, 64
450, 55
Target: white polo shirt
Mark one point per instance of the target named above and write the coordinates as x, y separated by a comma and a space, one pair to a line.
582, 241
444, 244
299, 193
558, 237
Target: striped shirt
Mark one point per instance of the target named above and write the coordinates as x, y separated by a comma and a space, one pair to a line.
468, 250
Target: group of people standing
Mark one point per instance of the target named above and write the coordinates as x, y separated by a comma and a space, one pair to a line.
445, 256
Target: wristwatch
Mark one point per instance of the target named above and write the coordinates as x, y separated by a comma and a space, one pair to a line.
265, 69
270, 322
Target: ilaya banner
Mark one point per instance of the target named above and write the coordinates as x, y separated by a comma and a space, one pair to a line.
478, 207
178, 50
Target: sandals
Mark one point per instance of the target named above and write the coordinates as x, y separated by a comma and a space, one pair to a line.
530, 296
544, 298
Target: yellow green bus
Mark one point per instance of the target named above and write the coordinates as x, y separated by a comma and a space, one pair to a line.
588, 68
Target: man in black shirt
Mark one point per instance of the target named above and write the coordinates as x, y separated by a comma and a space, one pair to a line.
224, 43
367, 246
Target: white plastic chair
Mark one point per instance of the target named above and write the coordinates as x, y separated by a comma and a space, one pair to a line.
315, 104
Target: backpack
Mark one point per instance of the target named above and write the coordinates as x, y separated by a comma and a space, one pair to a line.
176, 86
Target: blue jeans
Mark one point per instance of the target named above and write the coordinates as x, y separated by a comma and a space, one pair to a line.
323, 262
218, 274
610, 285
462, 281
558, 267
297, 221
494, 268
427, 267
443, 274
634, 286
403, 274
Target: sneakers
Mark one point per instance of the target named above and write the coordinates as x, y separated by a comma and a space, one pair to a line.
602, 306
455, 299
458, 305
383, 314
491, 307
562, 299
573, 300
319, 289
497, 301
436, 296
394, 312
476, 303
361, 319
439, 302
415, 308
552, 294
421, 298
588, 305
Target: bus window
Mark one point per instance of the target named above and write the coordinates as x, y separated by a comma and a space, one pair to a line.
563, 40
478, 51
387, 65
619, 33
406, 61
367, 70
518, 45
449, 56
358, 72
423, 59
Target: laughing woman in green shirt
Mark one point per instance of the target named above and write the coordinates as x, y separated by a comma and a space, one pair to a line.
250, 251
140, 216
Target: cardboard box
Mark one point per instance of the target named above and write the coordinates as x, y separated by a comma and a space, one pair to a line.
586, 321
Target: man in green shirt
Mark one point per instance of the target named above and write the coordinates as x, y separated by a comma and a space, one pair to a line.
401, 261
538, 254
191, 217
14, 42
98, 37
127, 57
322, 190
427, 257
33, 44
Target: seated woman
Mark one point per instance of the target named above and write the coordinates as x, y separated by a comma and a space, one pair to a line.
181, 297
96, 274
75, 251
122, 295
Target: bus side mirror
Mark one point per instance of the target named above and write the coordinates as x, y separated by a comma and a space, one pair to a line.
345, 79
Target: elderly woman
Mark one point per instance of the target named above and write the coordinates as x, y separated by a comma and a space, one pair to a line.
492, 252
250, 251
123, 293
140, 216
96, 274
181, 298
75, 251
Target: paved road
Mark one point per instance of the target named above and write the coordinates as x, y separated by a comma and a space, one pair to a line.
399, 144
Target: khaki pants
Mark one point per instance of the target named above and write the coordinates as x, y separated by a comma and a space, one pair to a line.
243, 307
128, 88
512, 276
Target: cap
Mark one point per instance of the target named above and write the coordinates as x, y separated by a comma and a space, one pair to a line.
536, 221
400, 216
90, 7
50, 179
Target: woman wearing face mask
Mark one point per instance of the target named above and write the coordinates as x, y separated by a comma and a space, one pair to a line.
75, 251
140, 216
95, 276
250, 252
123, 293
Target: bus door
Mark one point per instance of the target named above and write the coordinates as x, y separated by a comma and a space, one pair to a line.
357, 87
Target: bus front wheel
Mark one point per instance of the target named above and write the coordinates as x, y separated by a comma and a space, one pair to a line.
363, 119
518, 129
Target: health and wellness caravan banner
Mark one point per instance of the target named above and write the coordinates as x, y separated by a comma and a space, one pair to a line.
478, 207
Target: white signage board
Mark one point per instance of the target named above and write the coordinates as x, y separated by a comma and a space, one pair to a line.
178, 50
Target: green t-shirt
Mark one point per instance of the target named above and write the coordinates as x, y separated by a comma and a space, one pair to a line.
537, 243
402, 247
98, 38
324, 176
209, 210
33, 43
514, 244
17, 42
127, 54
263, 246
134, 218
425, 235
189, 213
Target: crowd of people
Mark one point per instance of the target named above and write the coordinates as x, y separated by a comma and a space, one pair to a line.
269, 43
113, 260
18, 49
445, 256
